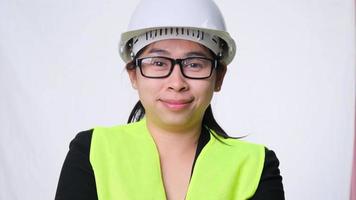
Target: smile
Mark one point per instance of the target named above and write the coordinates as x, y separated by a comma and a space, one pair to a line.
176, 104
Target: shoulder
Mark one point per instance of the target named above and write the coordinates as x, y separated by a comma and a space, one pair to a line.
266, 156
242, 152
271, 159
270, 185
242, 143
244, 147
119, 135
81, 142
271, 167
122, 129
77, 178
117, 139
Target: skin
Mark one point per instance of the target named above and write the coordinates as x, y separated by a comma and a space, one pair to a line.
175, 108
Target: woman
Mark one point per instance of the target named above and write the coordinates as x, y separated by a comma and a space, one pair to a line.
172, 147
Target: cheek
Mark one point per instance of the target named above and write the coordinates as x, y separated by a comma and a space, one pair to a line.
147, 89
204, 90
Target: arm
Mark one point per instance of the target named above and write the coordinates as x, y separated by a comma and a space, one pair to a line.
77, 180
270, 186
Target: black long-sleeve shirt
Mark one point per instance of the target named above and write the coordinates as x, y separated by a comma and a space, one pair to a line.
77, 180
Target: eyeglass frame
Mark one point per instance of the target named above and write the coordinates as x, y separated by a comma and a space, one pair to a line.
174, 62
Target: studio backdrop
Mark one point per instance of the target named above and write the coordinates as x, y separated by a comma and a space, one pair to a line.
291, 87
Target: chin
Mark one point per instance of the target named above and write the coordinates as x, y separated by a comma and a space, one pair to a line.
178, 120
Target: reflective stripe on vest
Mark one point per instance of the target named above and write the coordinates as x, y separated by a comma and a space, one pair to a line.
126, 166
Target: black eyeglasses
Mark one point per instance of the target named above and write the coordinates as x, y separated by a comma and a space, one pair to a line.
162, 67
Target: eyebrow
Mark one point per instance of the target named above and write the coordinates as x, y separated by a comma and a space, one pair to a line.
189, 54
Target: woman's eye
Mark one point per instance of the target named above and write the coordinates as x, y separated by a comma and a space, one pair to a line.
194, 65
158, 63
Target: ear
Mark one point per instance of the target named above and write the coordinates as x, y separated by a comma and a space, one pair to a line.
131, 70
220, 74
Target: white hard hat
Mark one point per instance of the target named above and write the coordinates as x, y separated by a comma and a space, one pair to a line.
196, 20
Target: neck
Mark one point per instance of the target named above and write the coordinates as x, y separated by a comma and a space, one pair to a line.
170, 140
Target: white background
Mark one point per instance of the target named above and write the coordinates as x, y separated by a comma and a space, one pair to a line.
291, 87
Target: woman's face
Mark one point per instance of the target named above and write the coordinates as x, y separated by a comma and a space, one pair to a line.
175, 101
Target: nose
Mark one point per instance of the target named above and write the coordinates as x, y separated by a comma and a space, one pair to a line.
176, 80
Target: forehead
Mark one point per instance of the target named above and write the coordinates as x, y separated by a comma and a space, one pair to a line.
176, 47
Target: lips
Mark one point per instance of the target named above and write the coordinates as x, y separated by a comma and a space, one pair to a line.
175, 104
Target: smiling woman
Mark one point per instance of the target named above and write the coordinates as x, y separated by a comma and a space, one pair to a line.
172, 147
174, 101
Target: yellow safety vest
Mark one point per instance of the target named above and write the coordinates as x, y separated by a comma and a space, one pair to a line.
126, 166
